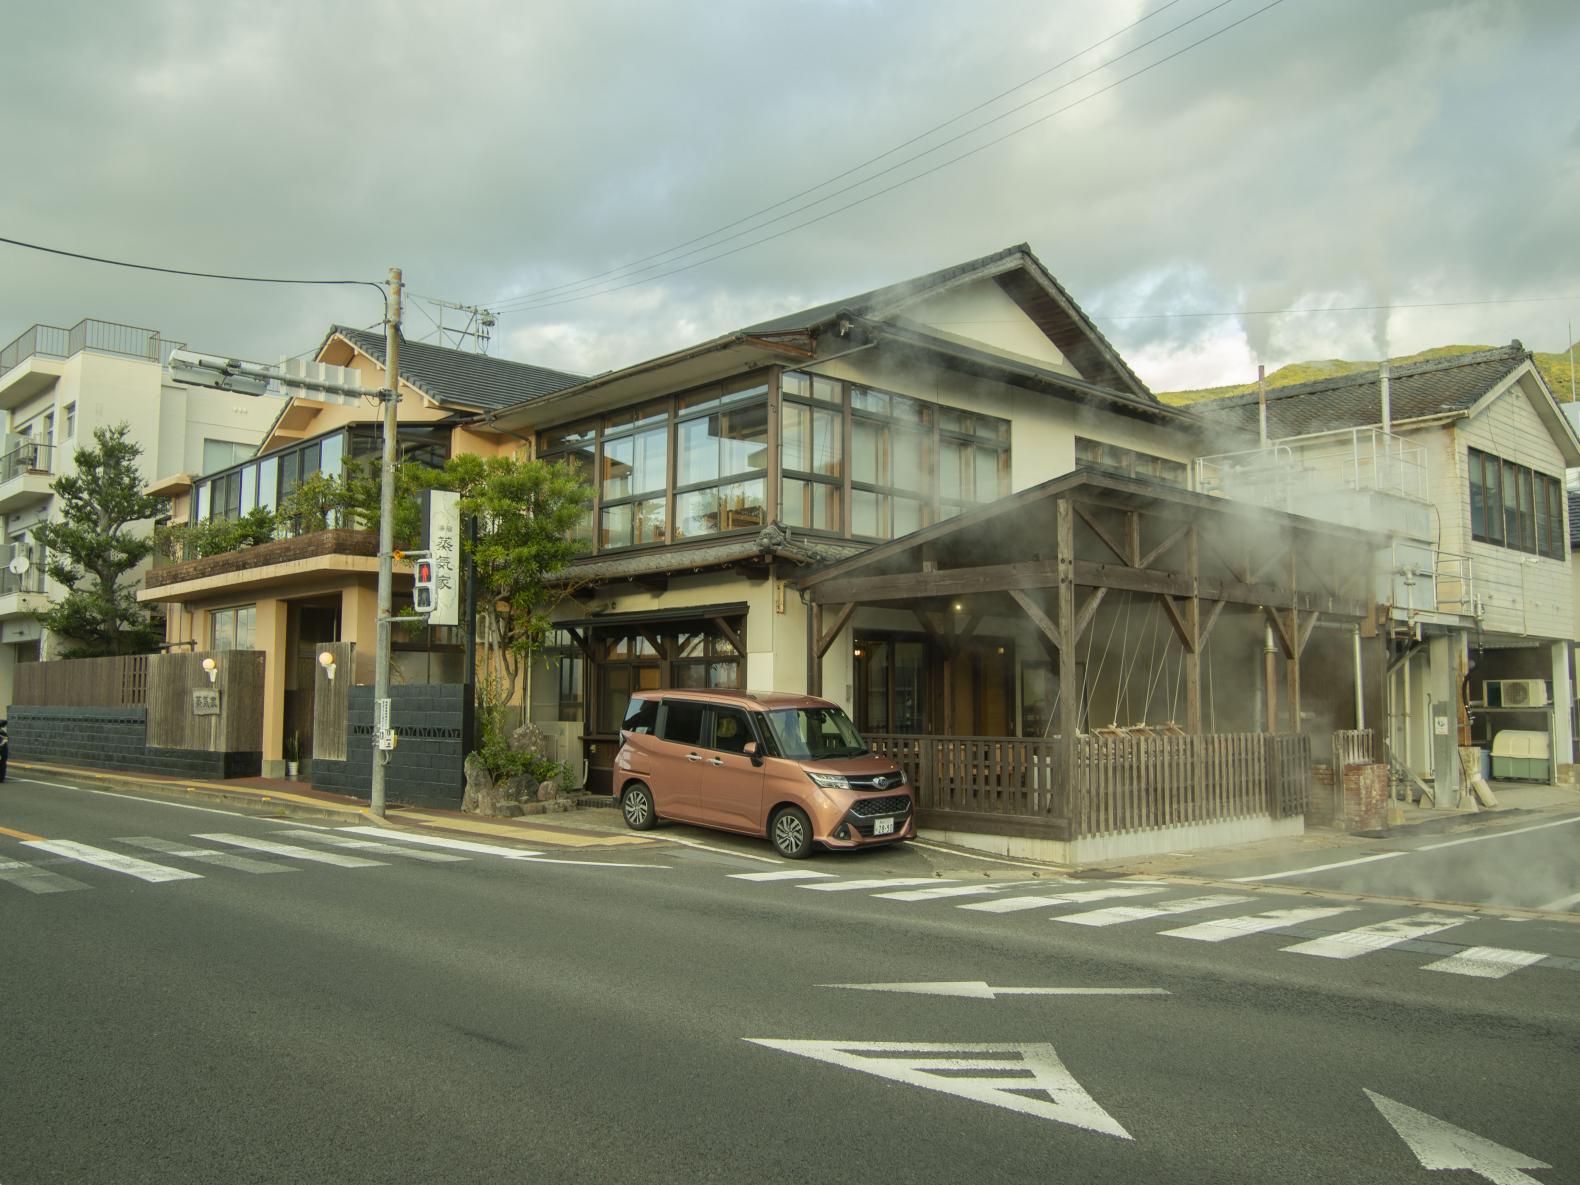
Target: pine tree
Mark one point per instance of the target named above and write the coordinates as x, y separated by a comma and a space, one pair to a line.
91, 550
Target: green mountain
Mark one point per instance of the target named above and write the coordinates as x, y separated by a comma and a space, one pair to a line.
1554, 368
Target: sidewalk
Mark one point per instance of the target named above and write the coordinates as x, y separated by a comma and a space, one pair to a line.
300, 800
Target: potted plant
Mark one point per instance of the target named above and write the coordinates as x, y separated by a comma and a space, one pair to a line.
293, 755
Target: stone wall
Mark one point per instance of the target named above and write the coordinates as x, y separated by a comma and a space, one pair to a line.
433, 724
114, 739
1323, 810
1365, 791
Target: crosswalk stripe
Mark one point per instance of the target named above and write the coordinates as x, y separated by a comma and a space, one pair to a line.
440, 841
143, 870
291, 850
790, 874
1116, 914
1348, 944
951, 891
1016, 904
1220, 929
36, 880
881, 883
1485, 962
373, 845
203, 855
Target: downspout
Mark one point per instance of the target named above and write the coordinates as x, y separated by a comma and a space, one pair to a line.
1387, 397
1360, 699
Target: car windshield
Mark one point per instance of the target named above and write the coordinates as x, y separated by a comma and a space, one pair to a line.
802, 733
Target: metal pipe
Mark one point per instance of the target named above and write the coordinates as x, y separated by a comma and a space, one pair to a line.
1360, 696
1387, 400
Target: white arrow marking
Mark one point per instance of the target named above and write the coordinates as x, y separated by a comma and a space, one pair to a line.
1011, 1076
1441, 1145
978, 990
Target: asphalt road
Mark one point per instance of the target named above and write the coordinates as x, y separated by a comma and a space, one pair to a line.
493, 1018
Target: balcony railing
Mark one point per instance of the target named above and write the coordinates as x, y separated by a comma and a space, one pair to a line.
110, 337
12, 583
1287, 474
1426, 580
27, 458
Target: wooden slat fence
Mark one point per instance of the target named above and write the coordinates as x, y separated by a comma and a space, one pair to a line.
120, 682
331, 700
1354, 747
1119, 784
238, 677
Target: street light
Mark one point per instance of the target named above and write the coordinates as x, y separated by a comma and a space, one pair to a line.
211, 669
327, 661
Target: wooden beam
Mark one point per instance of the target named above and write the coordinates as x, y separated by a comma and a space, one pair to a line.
1280, 632
653, 584
1133, 539
814, 660
1182, 629
1305, 632
1169, 541
1067, 801
1192, 624
734, 639
1089, 610
1041, 620
841, 619
1108, 540
935, 632
1210, 620
583, 643
653, 640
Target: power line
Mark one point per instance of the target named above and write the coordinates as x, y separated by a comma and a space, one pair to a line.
907, 180
564, 288
175, 271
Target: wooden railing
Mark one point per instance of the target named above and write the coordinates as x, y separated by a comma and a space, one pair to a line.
1119, 784
1354, 747
84, 683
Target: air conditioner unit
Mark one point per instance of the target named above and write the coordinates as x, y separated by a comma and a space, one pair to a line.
1516, 693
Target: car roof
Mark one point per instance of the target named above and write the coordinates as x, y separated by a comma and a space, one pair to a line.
744, 699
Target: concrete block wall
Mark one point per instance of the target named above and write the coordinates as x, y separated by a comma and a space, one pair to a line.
433, 722
114, 739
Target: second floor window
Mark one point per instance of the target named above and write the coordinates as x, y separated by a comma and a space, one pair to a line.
233, 629
1516, 507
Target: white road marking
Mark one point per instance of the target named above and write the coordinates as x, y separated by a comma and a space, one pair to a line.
590, 863
180, 806
1485, 962
1016, 904
1117, 914
1278, 876
203, 855
1438, 1144
880, 883
997, 1074
953, 891
1277, 919
143, 870
691, 843
789, 874
1454, 843
36, 880
440, 841
372, 845
292, 850
1349, 944
1562, 903
979, 990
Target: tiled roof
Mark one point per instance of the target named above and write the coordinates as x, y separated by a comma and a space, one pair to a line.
1416, 391
459, 378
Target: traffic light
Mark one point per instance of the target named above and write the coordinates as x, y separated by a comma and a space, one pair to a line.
422, 593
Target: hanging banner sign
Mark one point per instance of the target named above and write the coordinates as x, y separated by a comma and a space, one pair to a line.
444, 548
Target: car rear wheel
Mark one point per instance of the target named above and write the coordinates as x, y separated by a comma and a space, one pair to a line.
791, 832
636, 804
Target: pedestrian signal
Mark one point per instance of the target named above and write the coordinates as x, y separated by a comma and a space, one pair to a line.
422, 593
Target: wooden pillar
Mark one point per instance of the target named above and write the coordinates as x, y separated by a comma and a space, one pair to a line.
1193, 628
1293, 663
1069, 689
814, 656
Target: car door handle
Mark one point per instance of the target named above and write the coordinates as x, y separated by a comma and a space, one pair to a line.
715, 761
693, 757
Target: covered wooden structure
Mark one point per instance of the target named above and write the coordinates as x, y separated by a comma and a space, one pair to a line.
1052, 556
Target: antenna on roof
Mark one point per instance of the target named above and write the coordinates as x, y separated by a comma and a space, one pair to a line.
474, 332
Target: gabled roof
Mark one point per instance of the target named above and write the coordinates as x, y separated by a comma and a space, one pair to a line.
1023, 278
1416, 391
459, 378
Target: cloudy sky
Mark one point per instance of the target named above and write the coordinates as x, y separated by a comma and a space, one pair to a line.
522, 154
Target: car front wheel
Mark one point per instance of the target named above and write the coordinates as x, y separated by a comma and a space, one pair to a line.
636, 804
791, 832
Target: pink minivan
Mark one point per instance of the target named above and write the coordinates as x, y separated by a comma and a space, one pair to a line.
791, 767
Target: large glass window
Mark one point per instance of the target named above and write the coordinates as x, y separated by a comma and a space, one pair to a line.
233, 629
721, 443
1515, 507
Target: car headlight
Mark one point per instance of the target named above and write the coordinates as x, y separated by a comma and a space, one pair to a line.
830, 781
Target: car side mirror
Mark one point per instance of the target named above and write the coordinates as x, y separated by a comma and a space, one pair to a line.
750, 749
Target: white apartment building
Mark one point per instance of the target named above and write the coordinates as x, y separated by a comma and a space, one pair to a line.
56, 386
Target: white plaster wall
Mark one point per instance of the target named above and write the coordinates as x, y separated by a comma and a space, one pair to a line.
983, 313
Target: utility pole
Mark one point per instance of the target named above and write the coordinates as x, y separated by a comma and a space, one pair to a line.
381, 657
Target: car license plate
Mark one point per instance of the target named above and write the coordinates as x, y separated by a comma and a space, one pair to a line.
883, 826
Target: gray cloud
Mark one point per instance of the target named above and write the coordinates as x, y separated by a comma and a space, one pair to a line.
1328, 151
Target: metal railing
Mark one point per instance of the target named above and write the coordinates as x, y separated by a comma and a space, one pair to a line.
110, 337
1282, 475
27, 458
1428, 580
12, 583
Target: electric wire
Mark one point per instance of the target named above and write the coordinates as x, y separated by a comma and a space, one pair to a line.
570, 285
906, 180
